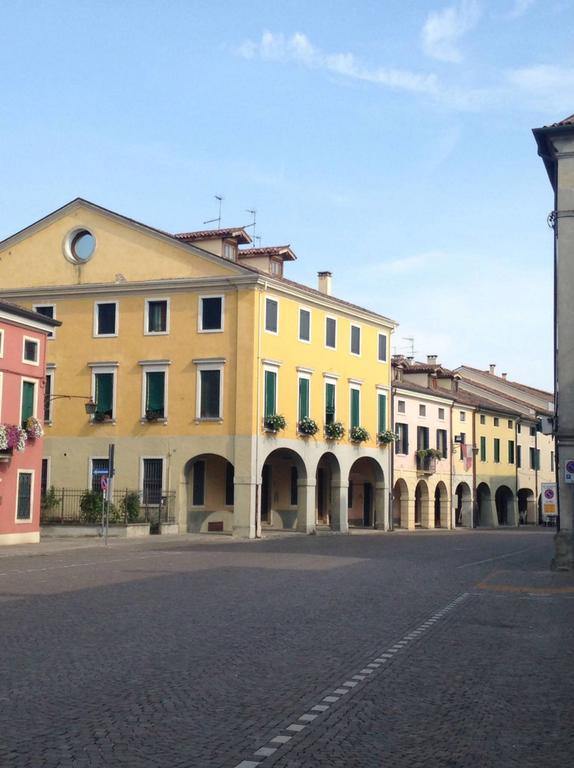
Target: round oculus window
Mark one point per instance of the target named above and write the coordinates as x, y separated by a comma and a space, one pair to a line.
79, 246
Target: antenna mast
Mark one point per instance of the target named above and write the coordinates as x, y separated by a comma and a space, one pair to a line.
218, 219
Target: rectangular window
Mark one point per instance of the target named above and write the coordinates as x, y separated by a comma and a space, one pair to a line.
211, 313
28, 407
382, 350
270, 405
355, 407
1, 342
106, 319
462, 415
47, 310
44, 476
294, 500
532, 431
511, 451
198, 487
152, 481
271, 315
48, 397
229, 251
229, 485
156, 316
401, 407
330, 332
518, 456
209, 393
382, 412
423, 441
304, 325
355, 340
441, 442
303, 398
482, 419
104, 395
155, 394
496, 420
510, 424
402, 444
24, 503
462, 442
100, 467
518, 428
31, 351
483, 448
329, 402
441, 414
552, 461
422, 410
534, 458
496, 450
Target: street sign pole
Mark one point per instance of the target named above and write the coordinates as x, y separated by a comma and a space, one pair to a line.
108, 496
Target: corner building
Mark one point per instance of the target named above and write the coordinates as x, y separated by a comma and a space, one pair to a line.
191, 346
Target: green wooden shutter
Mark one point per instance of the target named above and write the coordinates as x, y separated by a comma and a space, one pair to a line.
496, 450
303, 398
28, 391
155, 391
104, 393
24, 507
382, 401
270, 393
355, 407
210, 394
329, 403
483, 448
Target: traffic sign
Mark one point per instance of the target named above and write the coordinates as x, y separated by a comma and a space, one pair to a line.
104, 483
569, 471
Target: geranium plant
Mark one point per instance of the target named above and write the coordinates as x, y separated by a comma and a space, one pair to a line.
12, 437
308, 426
274, 423
358, 434
33, 428
334, 431
387, 436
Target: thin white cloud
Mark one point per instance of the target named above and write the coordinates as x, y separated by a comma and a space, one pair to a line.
544, 86
519, 8
416, 263
443, 30
299, 49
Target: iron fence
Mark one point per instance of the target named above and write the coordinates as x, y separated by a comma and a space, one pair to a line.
72, 506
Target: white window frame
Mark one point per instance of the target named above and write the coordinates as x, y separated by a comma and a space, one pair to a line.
385, 337
274, 368
462, 415
35, 362
1, 342
330, 317
200, 328
355, 385
163, 472
36, 307
50, 371
401, 406
167, 317
151, 367
95, 329
208, 366
48, 460
91, 460
35, 408
422, 411
305, 341
441, 418
329, 380
303, 374
25, 471
230, 247
276, 301
105, 368
358, 327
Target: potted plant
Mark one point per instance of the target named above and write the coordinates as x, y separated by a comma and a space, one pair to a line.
154, 415
33, 428
100, 416
387, 437
359, 434
274, 423
334, 431
12, 437
307, 426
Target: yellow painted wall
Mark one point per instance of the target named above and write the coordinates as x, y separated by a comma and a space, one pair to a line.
489, 470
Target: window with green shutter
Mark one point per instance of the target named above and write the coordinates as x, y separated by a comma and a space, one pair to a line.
355, 407
28, 397
303, 398
511, 451
155, 393
104, 394
210, 395
24, 505
496, 450
329, 403
270, 393
483, 448
382, 403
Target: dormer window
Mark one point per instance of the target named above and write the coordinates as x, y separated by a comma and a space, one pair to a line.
276, 267
230, 250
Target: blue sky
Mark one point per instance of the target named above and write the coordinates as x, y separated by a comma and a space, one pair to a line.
389, 142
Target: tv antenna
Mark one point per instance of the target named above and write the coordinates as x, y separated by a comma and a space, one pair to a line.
253, 212
411, 344
219, 198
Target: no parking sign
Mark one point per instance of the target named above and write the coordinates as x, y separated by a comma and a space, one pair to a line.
104, 483
569, 471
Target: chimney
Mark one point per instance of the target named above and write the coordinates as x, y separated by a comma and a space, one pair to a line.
431, 359
492, 367
504, 375
325, 282
410, 360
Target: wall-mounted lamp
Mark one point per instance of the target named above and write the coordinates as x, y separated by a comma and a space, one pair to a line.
90, 406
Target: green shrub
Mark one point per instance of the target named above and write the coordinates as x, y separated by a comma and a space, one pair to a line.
130, 507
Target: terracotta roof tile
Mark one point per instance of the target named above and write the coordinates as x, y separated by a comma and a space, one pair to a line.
562, 123
215, 234
269, 250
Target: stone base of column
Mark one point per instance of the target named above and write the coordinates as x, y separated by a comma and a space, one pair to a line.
564, 551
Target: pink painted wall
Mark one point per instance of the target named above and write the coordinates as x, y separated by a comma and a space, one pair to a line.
12, 370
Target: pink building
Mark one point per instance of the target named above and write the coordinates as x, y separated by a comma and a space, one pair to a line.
23, 338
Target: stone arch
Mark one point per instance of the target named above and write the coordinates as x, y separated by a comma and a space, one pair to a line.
483, 505
441, 506
283, 501
330, 497
527, 512
401, 505
210, 493
422, 506
366, 493
504, 501
463, 507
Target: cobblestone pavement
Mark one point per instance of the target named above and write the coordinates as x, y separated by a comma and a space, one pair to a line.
433, 649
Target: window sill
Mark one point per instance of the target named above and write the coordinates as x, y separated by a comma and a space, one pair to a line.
212, 419
105, 421
153, 421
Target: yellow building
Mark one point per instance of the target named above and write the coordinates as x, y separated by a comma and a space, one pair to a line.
192, 347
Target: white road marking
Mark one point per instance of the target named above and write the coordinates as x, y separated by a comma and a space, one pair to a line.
498, 557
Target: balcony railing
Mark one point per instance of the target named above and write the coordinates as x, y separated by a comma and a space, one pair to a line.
426, 464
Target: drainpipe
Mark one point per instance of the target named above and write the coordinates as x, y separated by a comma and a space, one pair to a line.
258, 420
